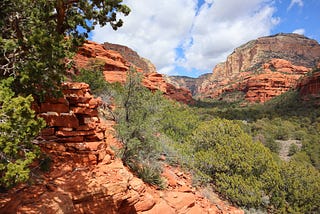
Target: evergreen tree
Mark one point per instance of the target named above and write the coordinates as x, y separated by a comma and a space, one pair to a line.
37, 40
138, 113
37, 37
18, 127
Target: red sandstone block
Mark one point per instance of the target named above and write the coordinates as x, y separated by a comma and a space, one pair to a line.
84, 110
65, 129
75, 85
74, 133
94, 146
87, 127
47, 132
54, 107
95, 102
73, 93
68, 120
71, 139
78, 99
97, 136
88, 120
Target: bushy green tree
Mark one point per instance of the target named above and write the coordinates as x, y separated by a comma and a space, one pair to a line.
301, 187
138, 112
178, 121
18, 127
242, 170
36, 37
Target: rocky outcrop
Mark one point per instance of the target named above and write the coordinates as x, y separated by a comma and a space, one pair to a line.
276, 77
263, 68
295, 48
86, 177
309, 86
73, 124
132, 57
115, 67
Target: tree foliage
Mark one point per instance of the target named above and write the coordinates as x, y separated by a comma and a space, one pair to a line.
138, 113
301, 187
37, 41
242, 170
18, 127
36, 37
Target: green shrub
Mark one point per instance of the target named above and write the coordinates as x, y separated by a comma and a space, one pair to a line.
178, 121
243, 171
301, 187
138, 113
150, 173
94, 78
293, 149
18, 127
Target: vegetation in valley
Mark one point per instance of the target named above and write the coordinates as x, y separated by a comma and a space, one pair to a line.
236, 154
234, 149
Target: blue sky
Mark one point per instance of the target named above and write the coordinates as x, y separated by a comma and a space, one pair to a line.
189, 37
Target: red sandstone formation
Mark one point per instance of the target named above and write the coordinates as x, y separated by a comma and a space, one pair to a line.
297, 49
86, 177
274, 78
132, 57
309, 86
262, 68
73, 124
116, 67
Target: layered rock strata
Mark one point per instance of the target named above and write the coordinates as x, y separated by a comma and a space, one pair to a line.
73, 124
309, 86
275, 77
132, 57
188, 82
115, 68
262, 68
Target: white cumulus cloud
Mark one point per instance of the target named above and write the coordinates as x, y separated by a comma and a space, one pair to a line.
154, 29
176, 33
300, 31
225, 25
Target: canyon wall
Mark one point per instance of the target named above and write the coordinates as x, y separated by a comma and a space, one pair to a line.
132, 56
115, 67
262, 69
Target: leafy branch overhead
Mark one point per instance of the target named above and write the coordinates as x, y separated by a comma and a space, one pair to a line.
33, 36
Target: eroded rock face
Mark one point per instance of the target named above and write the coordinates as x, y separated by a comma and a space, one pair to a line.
262, 68
297, 49
309, 86
132, 57
86, 177
116, 66
276, 77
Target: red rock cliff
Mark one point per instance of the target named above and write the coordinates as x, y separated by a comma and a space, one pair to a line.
116, 67
132, 56
262, 68
309, 86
